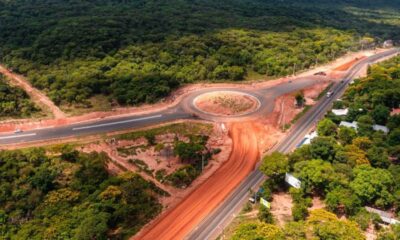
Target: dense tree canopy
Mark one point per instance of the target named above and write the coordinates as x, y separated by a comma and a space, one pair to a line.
45, 197
139, 51
14, 102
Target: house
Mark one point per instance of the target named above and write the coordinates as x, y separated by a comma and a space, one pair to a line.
307, 139
377, 127
353, 124
395, 111
385, 216
340, 112
388, 44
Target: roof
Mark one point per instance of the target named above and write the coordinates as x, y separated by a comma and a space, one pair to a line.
340, 112
349, 124
385, 216
395, 111
377, 127
307, 139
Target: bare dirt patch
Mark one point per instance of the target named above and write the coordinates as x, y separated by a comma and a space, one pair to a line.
317, 203
347, 65
136, 155
281, 207
226, 103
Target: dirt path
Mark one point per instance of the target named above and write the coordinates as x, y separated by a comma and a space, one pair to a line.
38, 97
179, 221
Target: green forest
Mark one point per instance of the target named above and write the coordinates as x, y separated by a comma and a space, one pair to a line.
349, 169
14, 102
65, 194
138, 51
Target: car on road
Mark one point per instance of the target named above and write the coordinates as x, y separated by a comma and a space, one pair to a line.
18, 130
329, 94
320, 74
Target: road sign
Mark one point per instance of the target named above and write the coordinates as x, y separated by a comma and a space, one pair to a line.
265, 203
294, 182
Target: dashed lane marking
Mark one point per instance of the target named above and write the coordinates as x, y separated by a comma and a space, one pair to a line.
116, 123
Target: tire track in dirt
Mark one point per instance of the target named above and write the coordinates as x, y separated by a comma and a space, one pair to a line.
179, 221
37, 96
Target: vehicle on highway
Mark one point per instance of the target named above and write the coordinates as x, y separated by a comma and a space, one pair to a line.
18, 130
320, 74
329, 94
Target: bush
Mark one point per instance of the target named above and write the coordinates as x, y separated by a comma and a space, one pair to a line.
299, 211
183, 177
265, 215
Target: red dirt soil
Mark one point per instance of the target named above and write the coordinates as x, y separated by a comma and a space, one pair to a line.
179, 221
226, 104
347, 65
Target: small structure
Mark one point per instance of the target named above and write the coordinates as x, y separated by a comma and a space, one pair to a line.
388, 43
340, 112
377, 127
385, 216
395, 111
307, 139
353, 124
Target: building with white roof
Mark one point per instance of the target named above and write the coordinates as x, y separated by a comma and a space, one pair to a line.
349, 124
377, 127
340, 112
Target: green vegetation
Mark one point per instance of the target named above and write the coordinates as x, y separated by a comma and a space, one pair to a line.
349, 169
14, 102
70, 196
319, 225
183, 129
195, 154
139, 51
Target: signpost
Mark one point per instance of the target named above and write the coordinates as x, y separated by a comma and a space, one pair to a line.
292, 181
265, 203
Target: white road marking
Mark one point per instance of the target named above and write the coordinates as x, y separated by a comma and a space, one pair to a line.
115, 123
18, 136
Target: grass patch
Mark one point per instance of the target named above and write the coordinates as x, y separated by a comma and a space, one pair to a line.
176, 128
97, 103
242, 217
130, 151
298, 116
142, 166
323, 93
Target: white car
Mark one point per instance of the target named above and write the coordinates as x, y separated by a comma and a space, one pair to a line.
18, 130
329, 94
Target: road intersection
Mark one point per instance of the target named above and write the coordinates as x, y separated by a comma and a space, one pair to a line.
213, 220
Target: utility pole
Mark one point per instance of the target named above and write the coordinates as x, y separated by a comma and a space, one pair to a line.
294, 69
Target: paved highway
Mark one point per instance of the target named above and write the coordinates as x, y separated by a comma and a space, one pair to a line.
184, 110
213, 225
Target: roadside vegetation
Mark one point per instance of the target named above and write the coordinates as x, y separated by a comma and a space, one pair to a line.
139, 51
14, 102
188, 142
70, 195
348, 168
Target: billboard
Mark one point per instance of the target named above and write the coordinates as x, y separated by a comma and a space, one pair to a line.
294, 182
265, 203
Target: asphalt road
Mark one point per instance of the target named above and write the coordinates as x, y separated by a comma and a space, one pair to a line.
213, 225
184, 110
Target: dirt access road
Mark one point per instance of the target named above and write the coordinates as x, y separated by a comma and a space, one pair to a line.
179, 221
38, 97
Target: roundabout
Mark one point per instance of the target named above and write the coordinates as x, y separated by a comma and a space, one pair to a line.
224, 104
